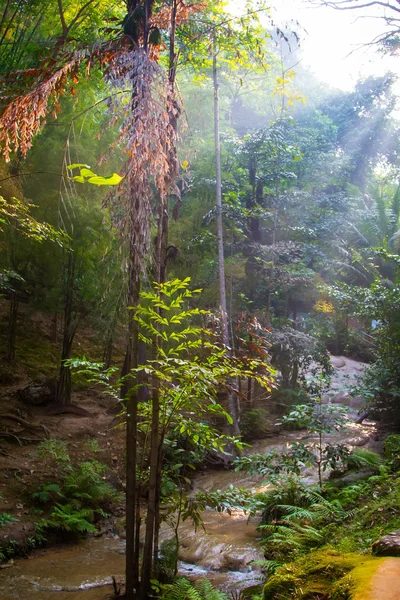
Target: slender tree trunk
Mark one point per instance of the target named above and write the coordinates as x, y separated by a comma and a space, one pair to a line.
54, 333
12, 328
134, 588
107, 355
64, 387
149, 550
131, 362
220, 237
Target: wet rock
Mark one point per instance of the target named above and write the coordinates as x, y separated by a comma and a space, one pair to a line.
354, 477
232, 562
38, 393
388, 545
358, 441
213, 458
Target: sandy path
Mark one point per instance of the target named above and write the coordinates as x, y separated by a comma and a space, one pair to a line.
385, 584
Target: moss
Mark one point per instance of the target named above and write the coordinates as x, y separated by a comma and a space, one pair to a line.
356, 585
324, 575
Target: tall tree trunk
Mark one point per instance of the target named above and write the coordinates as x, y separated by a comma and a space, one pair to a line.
64, 387
107, 354
220, 237
54, 329
12, 327
131, 362
162, 259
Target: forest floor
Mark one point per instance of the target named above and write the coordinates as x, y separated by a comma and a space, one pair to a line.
23, 470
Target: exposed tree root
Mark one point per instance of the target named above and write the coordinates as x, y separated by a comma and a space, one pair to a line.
361, 418
5, 435
25, 423
20, 440
61, 409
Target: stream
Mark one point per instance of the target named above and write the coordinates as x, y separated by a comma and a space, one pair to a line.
224, 552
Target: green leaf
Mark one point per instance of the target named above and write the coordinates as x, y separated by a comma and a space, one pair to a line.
176, 467
229, 418
77, 166
115, 179
85, 172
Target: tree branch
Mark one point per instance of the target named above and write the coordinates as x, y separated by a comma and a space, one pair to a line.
80, 13
354, 5
65, 28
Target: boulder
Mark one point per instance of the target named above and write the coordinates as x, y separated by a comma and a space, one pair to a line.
38, 393
359, 440
342, 398
347, 400
356, 402
388, 545
232, 562
351, 478
337, 362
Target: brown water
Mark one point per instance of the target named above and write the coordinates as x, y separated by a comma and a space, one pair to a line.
224, 552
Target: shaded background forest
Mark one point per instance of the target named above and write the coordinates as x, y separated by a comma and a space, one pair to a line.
110, 187
310, 202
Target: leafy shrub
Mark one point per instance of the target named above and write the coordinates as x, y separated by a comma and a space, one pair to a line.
295, 353
55, 451
83, 492
6, 519
284, 398
168, 561
254, 424
297, 525
392, 451
360, 458
376, 502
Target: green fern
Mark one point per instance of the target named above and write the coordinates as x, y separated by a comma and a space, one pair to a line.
207, 591
183, 589
48, 492
361, 458
288, 491
293, 536
299, 524
86, 485
76, 521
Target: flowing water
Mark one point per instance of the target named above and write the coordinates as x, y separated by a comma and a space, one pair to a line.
224, 552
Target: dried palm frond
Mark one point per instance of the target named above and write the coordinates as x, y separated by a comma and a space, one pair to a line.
26, 114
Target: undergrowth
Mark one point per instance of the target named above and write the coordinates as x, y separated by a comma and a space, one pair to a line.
80, 495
